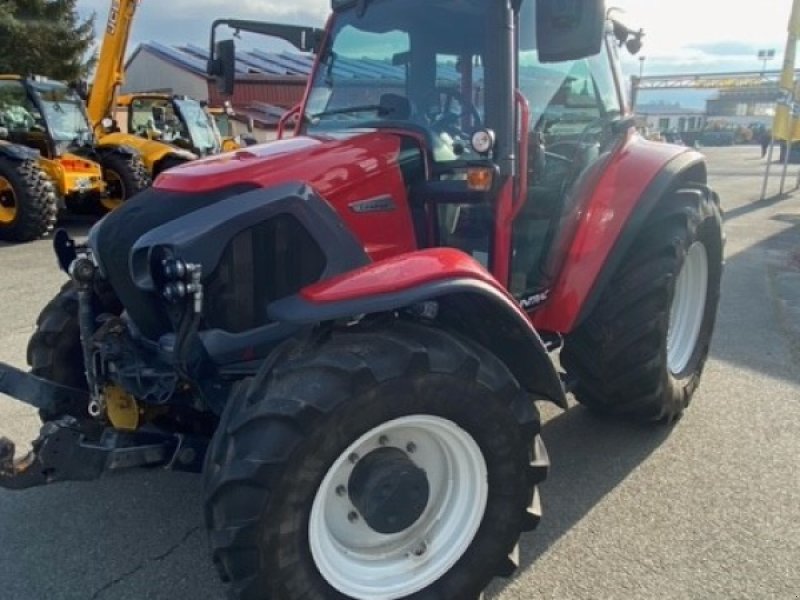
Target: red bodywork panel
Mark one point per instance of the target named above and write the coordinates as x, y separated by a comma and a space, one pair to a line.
398, 274
365, 165
602, 218
343, 169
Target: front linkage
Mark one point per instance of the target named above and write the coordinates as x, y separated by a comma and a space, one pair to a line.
69, 449
72, 449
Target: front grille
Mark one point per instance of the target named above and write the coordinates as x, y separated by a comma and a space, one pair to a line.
269, 261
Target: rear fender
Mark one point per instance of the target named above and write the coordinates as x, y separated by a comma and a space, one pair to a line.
468, 300
17, 152
631, 186
151, 151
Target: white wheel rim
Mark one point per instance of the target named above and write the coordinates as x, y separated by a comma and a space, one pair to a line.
366, 565
688, 309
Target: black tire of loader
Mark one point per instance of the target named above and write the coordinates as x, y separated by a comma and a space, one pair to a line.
618, 355
315, 405
36, 202
168, 162
129, 171
54, 351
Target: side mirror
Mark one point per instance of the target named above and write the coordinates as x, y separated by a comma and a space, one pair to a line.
222, 66
81, 87
569, 29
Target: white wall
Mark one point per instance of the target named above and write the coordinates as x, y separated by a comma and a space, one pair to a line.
148, 72
653, 121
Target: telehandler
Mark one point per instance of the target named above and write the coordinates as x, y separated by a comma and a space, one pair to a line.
157, 155
50, 118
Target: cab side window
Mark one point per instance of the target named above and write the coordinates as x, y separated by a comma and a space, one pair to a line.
573, 105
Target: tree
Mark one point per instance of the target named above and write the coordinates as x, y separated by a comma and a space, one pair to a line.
45, 37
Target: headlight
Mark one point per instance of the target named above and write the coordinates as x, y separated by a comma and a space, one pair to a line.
483, 141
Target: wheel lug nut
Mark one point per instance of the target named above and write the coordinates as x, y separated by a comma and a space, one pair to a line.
353, 458
352, 516
341, 490
411, 447
383, 440
420, 550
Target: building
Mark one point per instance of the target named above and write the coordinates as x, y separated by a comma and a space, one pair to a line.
267, 83
665, 117
744, 107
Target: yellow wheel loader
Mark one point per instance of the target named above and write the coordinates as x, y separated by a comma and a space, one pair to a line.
50, 118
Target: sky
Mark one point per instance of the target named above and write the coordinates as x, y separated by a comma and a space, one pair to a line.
682, 36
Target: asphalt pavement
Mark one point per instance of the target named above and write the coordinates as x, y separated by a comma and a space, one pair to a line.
709, 508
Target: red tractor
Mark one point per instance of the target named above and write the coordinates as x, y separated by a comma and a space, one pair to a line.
356, 322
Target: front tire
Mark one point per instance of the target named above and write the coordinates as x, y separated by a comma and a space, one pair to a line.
642, 350
125, 176
54, 350
296, 471
28, 203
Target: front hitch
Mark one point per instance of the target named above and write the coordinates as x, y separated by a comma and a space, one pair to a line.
70, 449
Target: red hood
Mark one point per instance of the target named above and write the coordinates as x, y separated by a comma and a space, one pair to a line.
343, 169
326, 163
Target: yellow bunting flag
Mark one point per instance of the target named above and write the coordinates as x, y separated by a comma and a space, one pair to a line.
782, 127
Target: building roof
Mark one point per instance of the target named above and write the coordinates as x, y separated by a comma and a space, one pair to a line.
667, 109
259, 62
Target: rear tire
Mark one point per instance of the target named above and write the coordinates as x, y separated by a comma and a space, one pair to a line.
642, 350
285, 443
28, 203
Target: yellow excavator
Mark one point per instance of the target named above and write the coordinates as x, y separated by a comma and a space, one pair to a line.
156, 154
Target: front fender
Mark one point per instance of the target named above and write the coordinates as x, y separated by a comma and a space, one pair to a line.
151, 151
18, 152
468, 299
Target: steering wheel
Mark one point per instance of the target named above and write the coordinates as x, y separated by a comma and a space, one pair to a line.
443, 120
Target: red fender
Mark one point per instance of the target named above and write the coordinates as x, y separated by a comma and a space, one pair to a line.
637, 175
468, 300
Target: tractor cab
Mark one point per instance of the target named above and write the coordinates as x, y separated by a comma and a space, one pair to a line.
505, 109
512, 111
177, 120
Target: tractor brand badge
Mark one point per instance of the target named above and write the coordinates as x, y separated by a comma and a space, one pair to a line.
113, 18
371, 205
535, 300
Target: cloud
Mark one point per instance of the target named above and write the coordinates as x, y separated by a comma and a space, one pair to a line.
189, 21
727, 48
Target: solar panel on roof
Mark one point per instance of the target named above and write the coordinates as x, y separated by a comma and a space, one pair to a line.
186, 60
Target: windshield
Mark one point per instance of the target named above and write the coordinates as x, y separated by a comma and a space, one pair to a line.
182, 122
60, 111
202, 130
64, 112
397, 65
